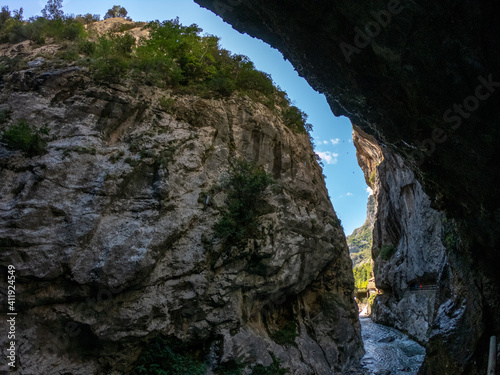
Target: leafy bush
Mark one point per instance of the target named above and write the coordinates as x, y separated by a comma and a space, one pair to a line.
295, 119
387, 251
22, 136
88, 18
37, 29
245, 188
167, 104
121, 28
112, 57
174, 56
110, 70
164, 357
222, 84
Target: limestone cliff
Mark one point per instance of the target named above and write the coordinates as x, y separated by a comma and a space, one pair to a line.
422, 78
111, 232
407, 242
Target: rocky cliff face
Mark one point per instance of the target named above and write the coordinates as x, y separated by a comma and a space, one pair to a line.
111, 232
407, 242
423, 292
422, 78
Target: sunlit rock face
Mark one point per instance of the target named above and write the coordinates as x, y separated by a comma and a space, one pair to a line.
111, 232
424, 80
408, 249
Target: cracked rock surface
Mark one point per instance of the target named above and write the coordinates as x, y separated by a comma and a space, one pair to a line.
111, 231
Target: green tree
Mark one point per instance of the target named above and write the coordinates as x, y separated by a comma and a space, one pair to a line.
88, 18
53, 10
362, 274
115, 12
22, 136
245, 189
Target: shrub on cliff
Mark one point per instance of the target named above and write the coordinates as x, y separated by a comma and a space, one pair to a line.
173, 56
22, 136
167, 357
295, 119
14, 30
245, 188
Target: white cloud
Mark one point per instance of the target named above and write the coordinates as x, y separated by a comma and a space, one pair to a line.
349, 194
335, 141
325, 142
369, 190
328, 157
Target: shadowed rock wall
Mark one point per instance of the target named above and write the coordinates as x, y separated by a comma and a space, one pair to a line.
423, 78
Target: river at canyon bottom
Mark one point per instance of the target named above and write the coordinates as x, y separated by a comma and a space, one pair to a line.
389, 351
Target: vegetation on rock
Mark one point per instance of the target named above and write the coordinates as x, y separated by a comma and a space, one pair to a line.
173, 56
22, 136
360, 244
13, 29
362, 274
116, 11
387, 251
360, 248
244, 189
164, 357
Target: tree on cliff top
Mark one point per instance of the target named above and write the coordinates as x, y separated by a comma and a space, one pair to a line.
116, 11
53, 10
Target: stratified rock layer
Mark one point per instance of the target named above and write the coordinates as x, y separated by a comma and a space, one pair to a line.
111, 232
423, 79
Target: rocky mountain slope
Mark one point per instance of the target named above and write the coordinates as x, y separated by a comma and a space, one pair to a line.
109, 215
360, 240
422, 79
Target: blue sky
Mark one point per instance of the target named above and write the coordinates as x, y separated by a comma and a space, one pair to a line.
332, 135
